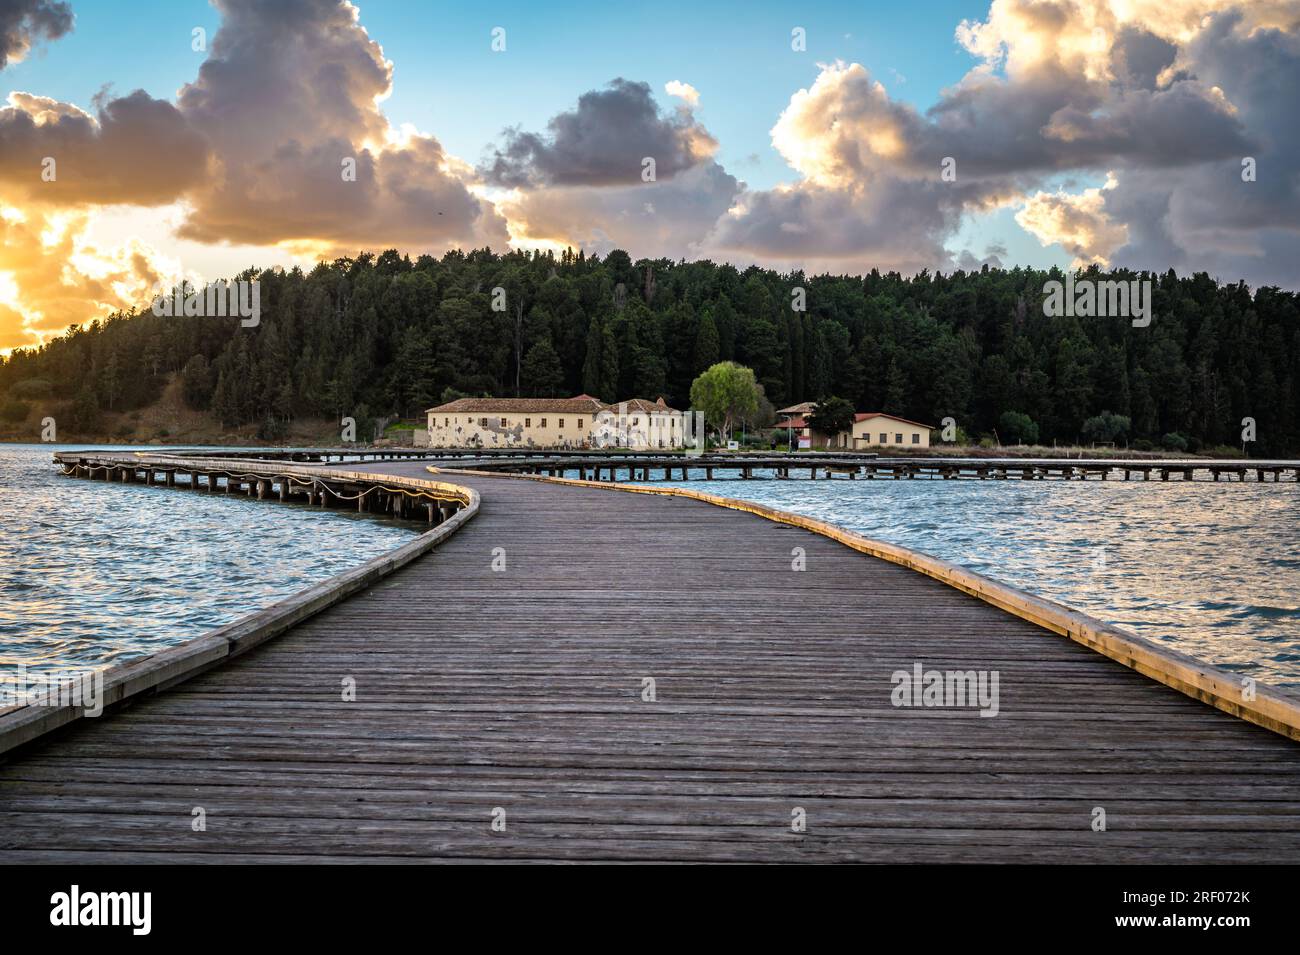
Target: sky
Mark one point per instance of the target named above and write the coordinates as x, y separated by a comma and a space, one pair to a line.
193, 139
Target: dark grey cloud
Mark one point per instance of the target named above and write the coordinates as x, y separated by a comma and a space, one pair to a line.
1139, 57
23, 22
602, 142
135, 149
1050, 121
1205, 217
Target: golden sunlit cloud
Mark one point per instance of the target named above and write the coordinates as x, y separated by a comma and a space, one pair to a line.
1078, 222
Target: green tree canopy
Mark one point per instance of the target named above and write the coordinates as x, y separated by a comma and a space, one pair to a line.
832, 416
1015, 427
725, 392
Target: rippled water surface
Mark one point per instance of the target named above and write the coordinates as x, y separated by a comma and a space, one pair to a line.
93, 573
1211, 569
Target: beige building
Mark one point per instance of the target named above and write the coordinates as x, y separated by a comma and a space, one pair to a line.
580, 422
879, 430
873, 429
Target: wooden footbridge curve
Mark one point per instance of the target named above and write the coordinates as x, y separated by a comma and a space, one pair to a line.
585, 674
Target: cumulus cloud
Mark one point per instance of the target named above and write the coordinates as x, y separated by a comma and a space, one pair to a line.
289, 92
1078, 222
582, 183
136, 149
252, 152
1169, 96
22, 22
602, 142
683, 91
1209, 216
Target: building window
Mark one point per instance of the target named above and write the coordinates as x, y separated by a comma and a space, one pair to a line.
884, 438
561, 422
898, 439
482, 422
543, 422
528, 422
916, 439
503, 422
579, 424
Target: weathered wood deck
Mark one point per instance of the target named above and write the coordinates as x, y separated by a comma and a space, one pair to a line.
522, 689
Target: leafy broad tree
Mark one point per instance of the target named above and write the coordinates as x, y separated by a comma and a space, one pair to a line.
725, 392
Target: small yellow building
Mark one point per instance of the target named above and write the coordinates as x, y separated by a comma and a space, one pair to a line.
579, 422
876, 429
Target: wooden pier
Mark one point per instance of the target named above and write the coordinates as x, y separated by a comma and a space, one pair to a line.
581, 673
709, 467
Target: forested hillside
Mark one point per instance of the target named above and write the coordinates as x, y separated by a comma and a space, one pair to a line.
384, 335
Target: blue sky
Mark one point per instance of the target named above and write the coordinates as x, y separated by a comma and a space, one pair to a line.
448, 82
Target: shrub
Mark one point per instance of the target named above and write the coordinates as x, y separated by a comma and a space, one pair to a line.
1106, 428
1174, 441
1015, 427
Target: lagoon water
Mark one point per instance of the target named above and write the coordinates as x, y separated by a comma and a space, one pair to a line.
1210, 569
93, 574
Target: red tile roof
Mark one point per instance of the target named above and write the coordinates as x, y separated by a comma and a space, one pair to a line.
582, 404
865, 415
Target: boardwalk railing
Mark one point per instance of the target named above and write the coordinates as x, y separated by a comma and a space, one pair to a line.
1266, 706
456, 505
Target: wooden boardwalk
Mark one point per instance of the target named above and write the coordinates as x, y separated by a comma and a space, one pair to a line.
522, 689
